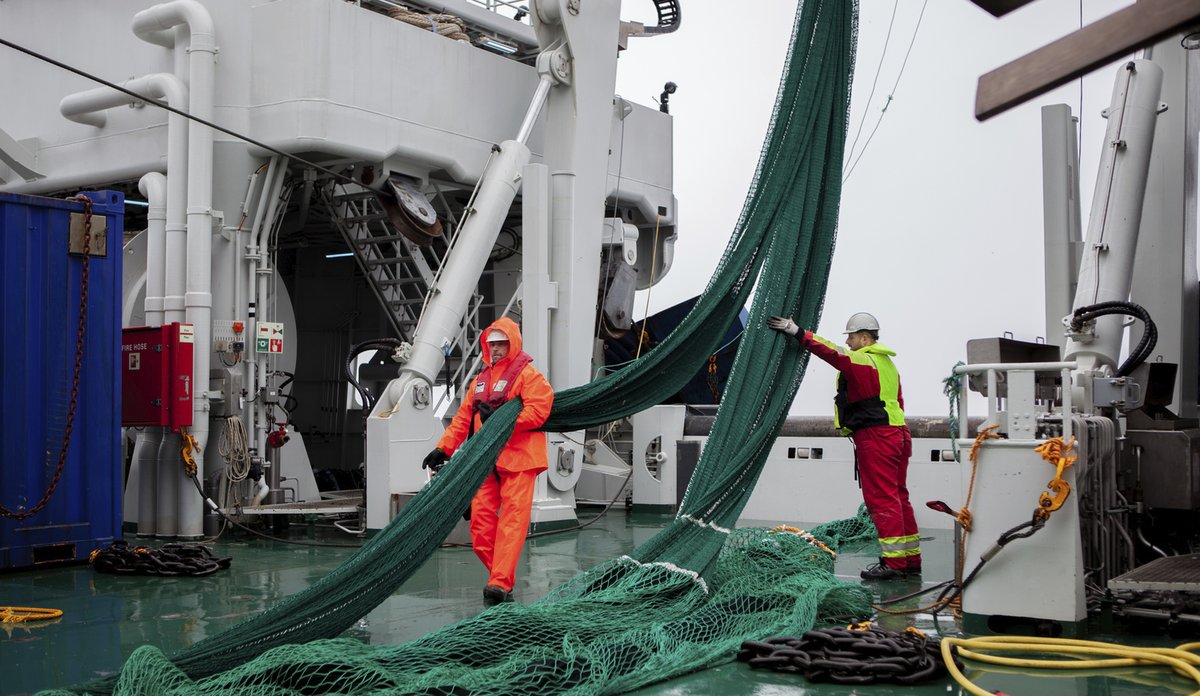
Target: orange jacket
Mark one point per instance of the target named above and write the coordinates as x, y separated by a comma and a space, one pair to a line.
526, 449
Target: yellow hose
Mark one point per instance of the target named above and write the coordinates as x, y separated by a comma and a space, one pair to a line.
1160, 680
1180, 658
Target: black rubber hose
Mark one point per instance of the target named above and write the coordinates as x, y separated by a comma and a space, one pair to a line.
348, 368
1144, 348
290, 376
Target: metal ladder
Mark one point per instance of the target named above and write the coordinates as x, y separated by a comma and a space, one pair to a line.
397, 270
401, 275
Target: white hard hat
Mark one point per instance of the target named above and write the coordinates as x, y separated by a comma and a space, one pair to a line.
862, 322
496, 336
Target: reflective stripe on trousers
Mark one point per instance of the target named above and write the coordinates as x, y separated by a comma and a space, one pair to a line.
900, 546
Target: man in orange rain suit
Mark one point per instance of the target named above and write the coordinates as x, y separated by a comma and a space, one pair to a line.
869, 409
501, 509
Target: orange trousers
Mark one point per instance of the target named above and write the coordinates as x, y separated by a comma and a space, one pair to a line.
500, 514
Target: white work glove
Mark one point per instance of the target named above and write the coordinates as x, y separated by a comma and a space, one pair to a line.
784, 324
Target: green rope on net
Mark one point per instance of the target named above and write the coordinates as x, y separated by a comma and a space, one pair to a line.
952, 387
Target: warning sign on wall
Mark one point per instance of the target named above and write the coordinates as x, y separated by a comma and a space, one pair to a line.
269, 338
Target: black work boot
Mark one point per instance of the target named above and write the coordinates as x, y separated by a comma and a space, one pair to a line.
493, 595
881, 571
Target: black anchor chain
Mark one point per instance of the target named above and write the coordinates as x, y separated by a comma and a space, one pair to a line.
850, 656
170, 560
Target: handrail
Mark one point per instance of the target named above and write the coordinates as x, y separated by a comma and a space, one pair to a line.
470, 318
992, 369
1014, 367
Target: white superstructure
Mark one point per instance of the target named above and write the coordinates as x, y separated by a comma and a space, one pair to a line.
370, 103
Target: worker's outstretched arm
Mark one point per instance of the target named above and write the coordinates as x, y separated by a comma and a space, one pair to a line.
826, 350
820, 347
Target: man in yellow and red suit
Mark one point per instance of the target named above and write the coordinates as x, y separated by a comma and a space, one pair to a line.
501, 509
869, 408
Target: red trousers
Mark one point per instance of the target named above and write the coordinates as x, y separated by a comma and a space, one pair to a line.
500, 514
883, 453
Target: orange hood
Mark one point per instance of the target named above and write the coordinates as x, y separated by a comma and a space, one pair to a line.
509, 328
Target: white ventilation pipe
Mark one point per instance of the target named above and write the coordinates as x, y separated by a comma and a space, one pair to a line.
165, 265
255, 260
264, 273
165, 254
145, 450
154, 187
158, 25
145, 463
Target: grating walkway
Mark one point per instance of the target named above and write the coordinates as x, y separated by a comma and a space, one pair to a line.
1178, 573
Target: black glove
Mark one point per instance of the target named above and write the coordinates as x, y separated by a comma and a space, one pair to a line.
485, 411
435, 460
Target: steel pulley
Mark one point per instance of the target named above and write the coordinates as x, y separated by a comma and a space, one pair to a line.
410, 211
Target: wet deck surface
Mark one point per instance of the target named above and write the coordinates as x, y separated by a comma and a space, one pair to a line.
106, 617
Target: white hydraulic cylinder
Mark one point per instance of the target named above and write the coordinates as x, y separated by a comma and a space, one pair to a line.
442, 318
1106, 270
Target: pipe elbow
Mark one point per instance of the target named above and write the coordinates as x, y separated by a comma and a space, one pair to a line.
261, 493
153, 186
166, 86
88, 106
81, 108
155, 24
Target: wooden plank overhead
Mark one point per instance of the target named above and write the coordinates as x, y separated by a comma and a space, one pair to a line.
1078, 53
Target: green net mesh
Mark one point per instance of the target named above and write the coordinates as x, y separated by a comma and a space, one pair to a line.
687, 597
621, 625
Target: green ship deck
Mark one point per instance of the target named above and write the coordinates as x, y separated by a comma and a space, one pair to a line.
106, 616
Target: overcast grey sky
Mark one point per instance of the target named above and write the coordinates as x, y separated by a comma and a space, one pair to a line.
941, 222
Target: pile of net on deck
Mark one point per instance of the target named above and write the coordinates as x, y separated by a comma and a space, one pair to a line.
686, 598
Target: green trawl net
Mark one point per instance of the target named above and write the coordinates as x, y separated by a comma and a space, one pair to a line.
687, 597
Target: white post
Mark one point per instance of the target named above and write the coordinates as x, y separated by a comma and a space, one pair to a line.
1060, 215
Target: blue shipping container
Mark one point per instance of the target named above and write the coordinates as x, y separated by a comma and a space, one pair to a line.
40, 293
